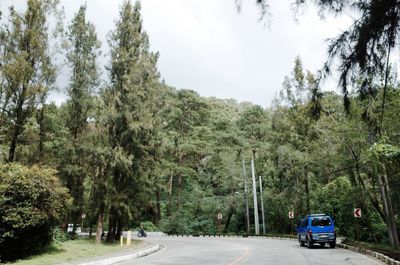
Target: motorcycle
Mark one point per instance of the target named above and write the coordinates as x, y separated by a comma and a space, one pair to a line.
141, 233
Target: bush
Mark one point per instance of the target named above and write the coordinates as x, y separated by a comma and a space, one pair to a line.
59, 235
32, 203
149, 226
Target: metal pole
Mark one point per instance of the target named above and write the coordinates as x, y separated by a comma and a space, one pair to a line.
256, 221
358, 231
262, 204
246, 201
291, 226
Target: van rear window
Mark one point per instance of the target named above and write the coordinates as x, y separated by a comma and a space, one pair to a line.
321, 222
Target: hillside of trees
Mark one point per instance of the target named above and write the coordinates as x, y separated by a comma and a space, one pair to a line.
131, 149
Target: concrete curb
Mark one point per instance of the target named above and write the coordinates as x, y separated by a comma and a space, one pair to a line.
128, 257
376, 255
235, 236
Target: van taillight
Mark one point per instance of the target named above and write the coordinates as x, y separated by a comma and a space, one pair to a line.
334, 231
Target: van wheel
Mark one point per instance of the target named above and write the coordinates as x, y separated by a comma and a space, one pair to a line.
309, 243
332, 245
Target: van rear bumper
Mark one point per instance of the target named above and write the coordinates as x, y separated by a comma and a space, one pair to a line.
323, 238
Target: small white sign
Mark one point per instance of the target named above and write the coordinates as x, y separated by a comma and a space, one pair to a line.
219, 216
83, 216
291, 215
357, 212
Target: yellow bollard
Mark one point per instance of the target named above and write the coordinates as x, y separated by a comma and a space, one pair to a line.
128, 239
122, 240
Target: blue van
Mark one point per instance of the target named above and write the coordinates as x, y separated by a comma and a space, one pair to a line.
316, 228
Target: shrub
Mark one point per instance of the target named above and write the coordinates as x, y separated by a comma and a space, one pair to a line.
149, 226
32, 203
59, 235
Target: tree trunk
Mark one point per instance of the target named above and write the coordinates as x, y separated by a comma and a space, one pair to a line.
180, 162
228, 220
99, 231
158, 195
42, 131
41, 134
111, 227
13, 145
385, 209
391, 218
307, 191
17, 126
170, 205
64, 225
118, 230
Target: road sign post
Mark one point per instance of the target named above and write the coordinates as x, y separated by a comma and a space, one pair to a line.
357, 214
219, 218
291, 216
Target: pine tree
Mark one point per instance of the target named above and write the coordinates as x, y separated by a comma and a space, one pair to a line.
26, 72
132, 101
82, 49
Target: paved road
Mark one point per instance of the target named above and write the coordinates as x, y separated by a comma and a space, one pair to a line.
234, 251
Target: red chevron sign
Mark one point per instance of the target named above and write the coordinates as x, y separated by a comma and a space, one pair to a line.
357, 212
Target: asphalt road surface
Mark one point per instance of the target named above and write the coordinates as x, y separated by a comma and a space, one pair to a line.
234, 251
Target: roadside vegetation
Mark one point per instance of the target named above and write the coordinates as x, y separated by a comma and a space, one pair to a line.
131, 149
69, 251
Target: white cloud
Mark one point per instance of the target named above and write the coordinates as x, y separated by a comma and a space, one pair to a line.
208, 47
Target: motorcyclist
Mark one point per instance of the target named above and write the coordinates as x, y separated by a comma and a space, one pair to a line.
141, 232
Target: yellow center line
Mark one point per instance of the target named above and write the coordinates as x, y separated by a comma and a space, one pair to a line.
243, 256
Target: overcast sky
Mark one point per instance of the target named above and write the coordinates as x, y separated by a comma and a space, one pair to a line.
207, 46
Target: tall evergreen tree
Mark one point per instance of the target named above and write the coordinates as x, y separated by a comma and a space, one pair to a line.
82, 49
26, 72
132, 101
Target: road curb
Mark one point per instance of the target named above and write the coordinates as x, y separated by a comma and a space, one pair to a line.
374, 254
115, 260
234, 236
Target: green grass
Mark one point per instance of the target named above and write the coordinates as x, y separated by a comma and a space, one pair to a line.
381, 248
72, 250
378, 246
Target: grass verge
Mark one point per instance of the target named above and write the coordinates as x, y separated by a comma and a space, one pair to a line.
72, 250
380, 248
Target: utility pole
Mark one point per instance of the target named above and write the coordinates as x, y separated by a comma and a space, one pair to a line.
256, 221
245, 197
262, 205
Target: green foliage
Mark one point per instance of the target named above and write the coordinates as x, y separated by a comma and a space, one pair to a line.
148, 226
32, 203
132, 118
384, 151
182, 224
27, 71
59, 235
82, 49
337, 199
